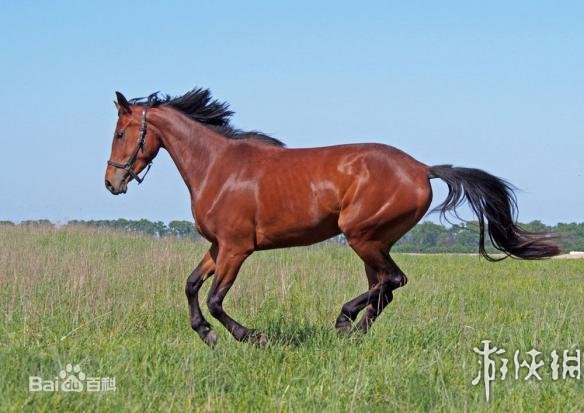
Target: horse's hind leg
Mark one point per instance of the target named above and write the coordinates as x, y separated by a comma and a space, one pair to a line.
204, 270
383, 276
351, 309
389, 278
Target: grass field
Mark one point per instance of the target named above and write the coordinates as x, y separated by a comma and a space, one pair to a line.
115, 305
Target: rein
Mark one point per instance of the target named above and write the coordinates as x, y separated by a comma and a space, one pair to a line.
132, 159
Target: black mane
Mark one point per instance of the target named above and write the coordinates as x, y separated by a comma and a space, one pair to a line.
199, 105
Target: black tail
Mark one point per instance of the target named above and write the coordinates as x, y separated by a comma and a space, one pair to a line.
492, 200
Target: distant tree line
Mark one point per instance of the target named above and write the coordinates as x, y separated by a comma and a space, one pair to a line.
182, 229
426, 237
433, 238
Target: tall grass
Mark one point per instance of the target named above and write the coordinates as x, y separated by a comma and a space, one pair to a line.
115, 305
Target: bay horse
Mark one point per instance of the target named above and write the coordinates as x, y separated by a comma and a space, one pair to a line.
249, 192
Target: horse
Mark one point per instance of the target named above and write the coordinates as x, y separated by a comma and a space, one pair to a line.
249, 192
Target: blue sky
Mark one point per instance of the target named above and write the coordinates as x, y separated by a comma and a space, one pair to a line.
498, 86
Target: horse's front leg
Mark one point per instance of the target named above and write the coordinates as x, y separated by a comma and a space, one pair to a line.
229, 262
204, 270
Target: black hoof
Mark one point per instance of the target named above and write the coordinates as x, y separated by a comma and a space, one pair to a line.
210, 338
344, 331
354, 332
258, 339
344, 326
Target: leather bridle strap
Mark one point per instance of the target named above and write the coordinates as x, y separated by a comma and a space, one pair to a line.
132, 159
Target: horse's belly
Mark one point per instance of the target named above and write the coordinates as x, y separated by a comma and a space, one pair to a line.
296, 209
288, 234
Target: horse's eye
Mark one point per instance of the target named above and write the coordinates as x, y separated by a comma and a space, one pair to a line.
120, 135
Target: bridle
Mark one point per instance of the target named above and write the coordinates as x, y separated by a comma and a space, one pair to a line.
130, 162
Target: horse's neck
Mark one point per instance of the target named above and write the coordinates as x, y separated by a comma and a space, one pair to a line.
191, 146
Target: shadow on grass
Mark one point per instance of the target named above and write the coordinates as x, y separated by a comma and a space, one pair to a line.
296, 335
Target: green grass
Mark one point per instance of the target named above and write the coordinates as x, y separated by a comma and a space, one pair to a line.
115, 305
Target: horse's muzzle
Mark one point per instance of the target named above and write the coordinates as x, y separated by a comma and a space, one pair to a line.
121, 189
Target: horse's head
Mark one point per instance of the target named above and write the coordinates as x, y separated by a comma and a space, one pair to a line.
134, 146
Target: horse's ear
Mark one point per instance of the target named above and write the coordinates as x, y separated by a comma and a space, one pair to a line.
122, 104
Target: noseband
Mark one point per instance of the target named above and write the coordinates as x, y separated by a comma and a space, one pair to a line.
132, 159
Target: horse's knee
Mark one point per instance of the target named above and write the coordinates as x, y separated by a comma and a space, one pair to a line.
190, 288
214, 305
193, 284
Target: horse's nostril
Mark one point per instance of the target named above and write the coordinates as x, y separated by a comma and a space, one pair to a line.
108, 185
